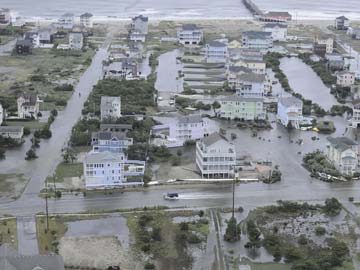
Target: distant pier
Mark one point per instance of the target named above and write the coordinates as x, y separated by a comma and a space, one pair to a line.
254, 10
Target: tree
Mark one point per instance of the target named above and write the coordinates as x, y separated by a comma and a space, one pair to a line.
233, 231
253, 232
54, 112
216, 105
69, 155
156, 234
2, 153
31, 154
332, 207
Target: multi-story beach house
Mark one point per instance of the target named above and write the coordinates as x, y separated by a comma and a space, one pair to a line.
289, 111
5, 16
140, 24
345, 78
215, 157
66, 21
343, 153
110, 107
33, 37
76, 40
28, 106
190, 34
235, 107
257, 40
232, 73
104, 170
1, 114
190, 127
335, 61
14, 132
86, 20
355, 120
114, 142
342, 23
325, 40
278, 31
216, 51
250, 85
136, 36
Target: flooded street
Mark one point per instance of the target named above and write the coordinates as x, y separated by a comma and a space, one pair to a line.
305, 81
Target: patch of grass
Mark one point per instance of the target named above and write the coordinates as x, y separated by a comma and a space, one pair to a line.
28, 124
12, 185
8, 232
64, 170
200, 227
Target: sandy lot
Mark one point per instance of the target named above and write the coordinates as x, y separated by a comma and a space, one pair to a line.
94, 252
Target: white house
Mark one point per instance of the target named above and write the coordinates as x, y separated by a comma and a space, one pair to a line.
140, 24
76, 40
215, 157
66, 21
109, 170
13, 132
33, 37
342, 23
355, 120
327, 41
121, 70
45, 35
1, 114
343, 153
190, 127
257, 40
28, 106
256, 66
233, 72
216, 51
86, 20
278, 31
190, 34
110, 107
5, 16
289, 110
250, 85
345, 78
235, 107
137, 36
114, 142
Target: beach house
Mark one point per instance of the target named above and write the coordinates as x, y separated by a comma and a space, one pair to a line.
86, 20
235, 107
259, 40
110, 107
289, 111
114, 142
66, 21
278, 31
76, 40
250, 85
343, 153
28, 106
189, 34
216, 51
345, 78
342, 23
215, 157
140, 24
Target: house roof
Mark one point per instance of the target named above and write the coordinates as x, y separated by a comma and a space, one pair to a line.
188, 119
334, 57
86, 15
69, 14
107, 101
341, 143
108, 135
216, 44
251, 77
237, 69
98, 157
115, 126
11, 129
278, 13
342, 18
213, 138
190, 27
344, 72
241, 99
290, 101
23, 42
257, 34
273, 25
10, 259
30, 98
141, 17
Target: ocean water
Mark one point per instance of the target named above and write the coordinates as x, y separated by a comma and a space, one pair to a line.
187, 9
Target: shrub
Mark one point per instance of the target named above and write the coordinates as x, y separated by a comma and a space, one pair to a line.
149, 265
320, 231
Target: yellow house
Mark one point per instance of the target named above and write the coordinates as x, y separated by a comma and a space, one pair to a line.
234, 44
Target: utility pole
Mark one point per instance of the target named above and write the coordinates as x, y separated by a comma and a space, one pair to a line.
46, 206
233, 198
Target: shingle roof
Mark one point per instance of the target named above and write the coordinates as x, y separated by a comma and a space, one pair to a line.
213, 138
141, 17
257, 34
273, 25
237, 69
251, 77
190, 27
86, 15
196, 118
10, 259
98, 157
216, 44
290, 101
30, 98
108, 135
241, 99
341, 143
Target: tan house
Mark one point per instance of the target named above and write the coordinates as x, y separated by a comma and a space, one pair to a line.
345, 78
327, 41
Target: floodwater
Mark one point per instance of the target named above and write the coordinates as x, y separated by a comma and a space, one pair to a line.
167, 73
305, 81
111, 226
